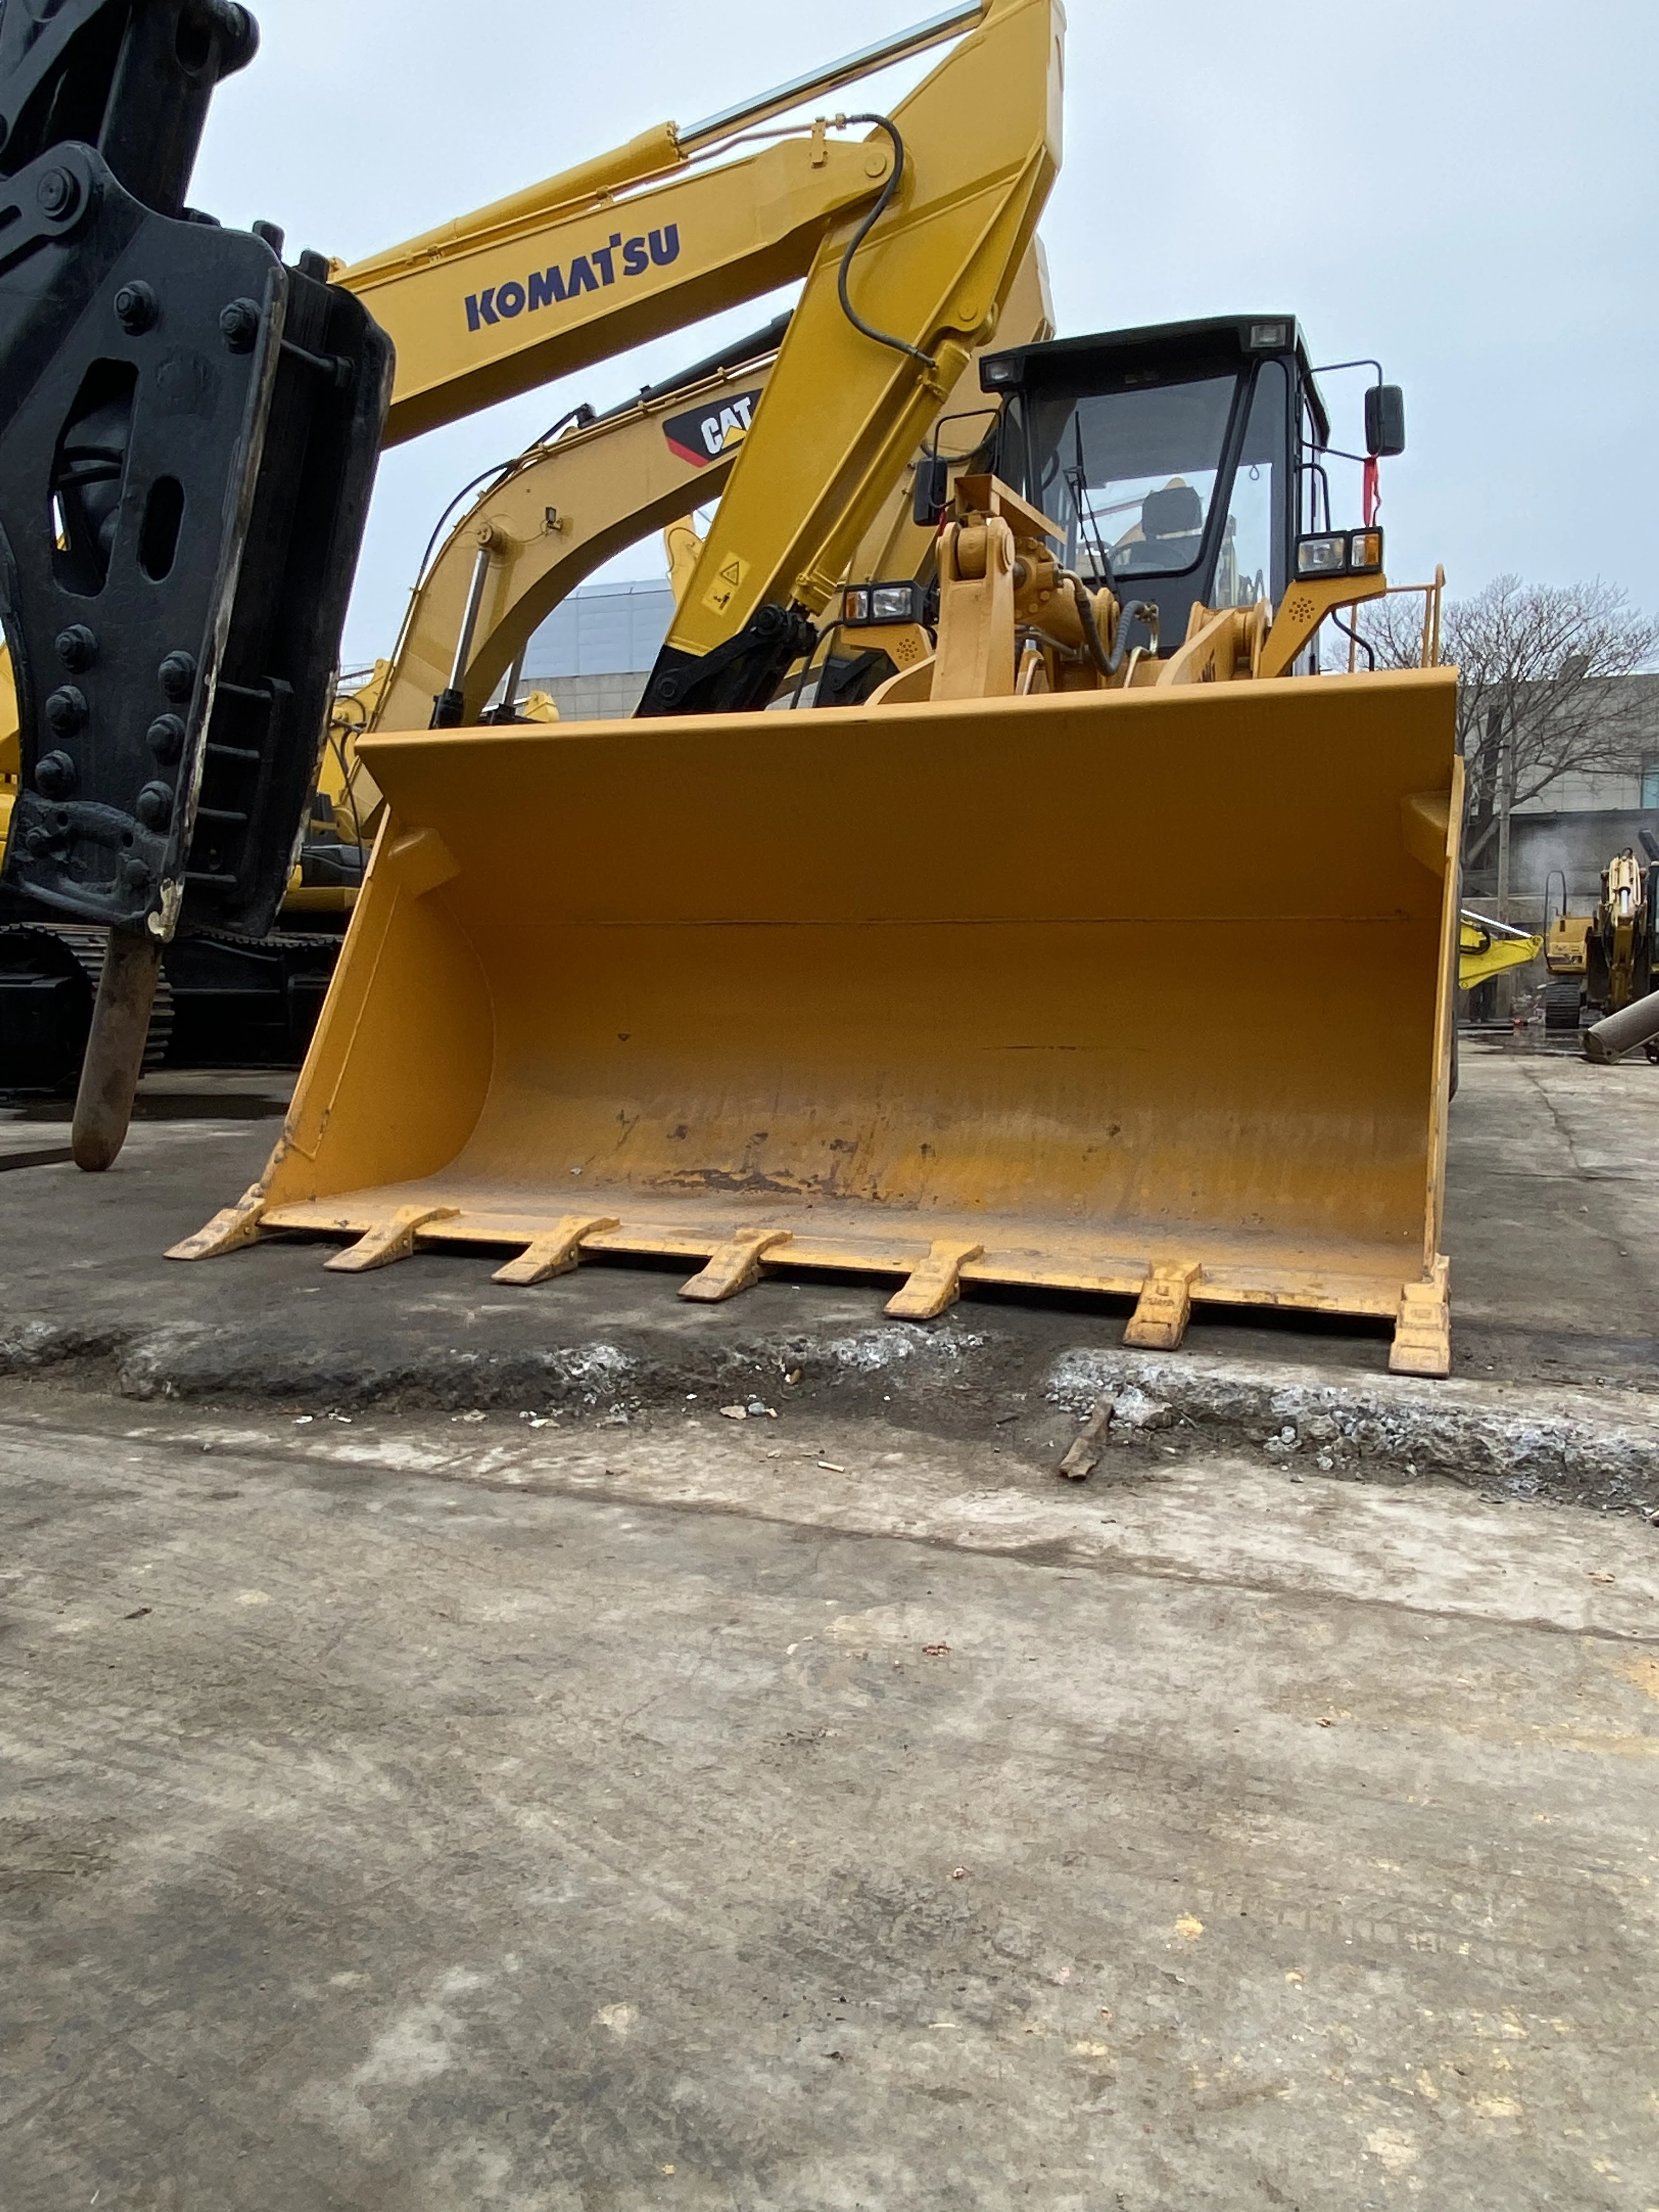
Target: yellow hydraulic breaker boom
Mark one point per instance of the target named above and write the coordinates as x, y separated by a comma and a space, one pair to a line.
1487, 948
940, 997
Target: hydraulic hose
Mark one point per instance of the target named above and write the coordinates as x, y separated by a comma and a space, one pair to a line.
1109, 664
883, 202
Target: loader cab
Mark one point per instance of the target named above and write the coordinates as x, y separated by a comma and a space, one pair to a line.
1173, 457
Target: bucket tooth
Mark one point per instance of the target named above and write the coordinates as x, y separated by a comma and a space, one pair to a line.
736, 1266
935, 1285
1422, 1334
389, 1240
230, 1228
1164, 1307
555, 1251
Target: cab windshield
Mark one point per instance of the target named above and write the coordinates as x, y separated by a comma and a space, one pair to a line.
1131, 474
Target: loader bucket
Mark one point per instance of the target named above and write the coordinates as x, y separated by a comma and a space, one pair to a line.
1144, 991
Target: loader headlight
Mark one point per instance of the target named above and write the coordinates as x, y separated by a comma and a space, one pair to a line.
896, 602
882, 603
1321, 556
1341, 553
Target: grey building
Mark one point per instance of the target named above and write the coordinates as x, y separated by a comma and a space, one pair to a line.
595, 650
1572, 829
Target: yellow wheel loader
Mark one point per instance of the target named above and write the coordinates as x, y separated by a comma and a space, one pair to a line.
926, 987
870, 988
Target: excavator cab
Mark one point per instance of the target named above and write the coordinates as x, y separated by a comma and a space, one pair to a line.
1176, 459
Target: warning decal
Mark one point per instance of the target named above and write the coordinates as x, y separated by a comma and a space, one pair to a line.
728, 579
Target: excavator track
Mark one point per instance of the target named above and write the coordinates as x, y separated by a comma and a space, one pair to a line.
49, 981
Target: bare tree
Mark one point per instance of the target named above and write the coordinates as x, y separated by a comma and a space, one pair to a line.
1535, 702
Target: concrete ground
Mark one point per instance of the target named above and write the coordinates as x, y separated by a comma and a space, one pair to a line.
445, 1763
442, 1815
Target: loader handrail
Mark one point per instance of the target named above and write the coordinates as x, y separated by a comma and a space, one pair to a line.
1433, 595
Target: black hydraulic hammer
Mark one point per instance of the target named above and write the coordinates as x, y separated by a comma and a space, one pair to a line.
189, 430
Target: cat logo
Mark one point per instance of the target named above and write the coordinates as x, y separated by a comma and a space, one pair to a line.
705, 433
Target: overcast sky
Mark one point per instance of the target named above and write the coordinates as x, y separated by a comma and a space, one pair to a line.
1468, 189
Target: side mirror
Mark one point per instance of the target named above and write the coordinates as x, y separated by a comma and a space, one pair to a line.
932, 491
1385, 420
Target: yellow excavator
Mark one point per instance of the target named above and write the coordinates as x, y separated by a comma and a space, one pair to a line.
923, 985
1605, 960
1486, 948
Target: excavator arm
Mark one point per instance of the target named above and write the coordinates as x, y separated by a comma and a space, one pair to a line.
908, 240
982, 139
661, 233
603, 482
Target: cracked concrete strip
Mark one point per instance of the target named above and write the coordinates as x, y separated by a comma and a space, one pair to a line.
1221, 1519
1583, 1446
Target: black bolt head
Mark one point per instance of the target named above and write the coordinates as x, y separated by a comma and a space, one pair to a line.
155, 808
66, 711
77, 649
135, 308
135, 873
58, 194
54, 775
238, 325
177, 676
166, 736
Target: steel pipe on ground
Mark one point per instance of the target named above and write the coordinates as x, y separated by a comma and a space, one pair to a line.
1617, 1034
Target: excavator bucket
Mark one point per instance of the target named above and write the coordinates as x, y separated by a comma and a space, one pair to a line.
1142, 992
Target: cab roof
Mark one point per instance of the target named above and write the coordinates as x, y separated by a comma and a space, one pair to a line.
1159, 351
